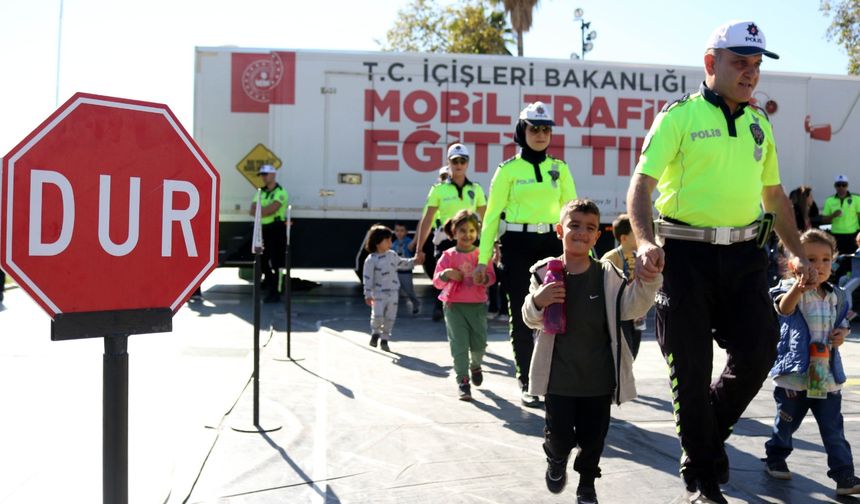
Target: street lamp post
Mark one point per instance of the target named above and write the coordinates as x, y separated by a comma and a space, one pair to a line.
587, 39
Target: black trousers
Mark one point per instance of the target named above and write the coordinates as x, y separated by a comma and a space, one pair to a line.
577, 422
437, 253
714, 293
845, 242
519, 252
274, 252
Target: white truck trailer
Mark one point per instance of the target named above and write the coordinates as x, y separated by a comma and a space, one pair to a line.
359, 136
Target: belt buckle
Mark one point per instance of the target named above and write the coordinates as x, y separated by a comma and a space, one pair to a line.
722, 236
543, 228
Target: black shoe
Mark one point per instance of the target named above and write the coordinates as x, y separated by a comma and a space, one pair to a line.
721, 468
850, 485
708, 493
777, 469
477, 377
374, 339
383, 345
437, 314
556, 473
585, 493
465, 390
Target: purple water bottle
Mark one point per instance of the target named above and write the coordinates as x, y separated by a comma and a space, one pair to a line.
554, 320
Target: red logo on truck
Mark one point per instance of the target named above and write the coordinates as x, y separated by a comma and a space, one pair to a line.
259, 79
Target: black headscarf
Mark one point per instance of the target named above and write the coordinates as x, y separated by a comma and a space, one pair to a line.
532, 156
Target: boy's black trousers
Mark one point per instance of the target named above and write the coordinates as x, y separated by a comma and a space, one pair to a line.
577, 421
714, 293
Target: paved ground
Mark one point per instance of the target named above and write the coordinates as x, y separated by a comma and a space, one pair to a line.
355, 424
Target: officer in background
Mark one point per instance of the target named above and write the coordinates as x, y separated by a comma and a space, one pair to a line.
841, 211
712, 157
273, 210
529, 189
453, 193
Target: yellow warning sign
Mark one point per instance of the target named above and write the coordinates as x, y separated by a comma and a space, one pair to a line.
251, 163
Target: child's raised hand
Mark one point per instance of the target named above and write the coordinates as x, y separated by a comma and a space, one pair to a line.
807, 276
548, 294
368, 301
837, 336
453, 275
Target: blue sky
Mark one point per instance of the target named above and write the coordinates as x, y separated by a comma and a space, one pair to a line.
145, 50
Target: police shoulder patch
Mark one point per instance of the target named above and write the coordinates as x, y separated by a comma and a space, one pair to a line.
673, 104
507, 161
760, 111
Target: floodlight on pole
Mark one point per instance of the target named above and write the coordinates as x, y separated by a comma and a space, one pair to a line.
587, 44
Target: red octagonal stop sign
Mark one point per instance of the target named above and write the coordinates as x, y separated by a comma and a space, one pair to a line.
108, 205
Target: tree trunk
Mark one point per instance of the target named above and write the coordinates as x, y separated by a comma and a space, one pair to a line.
519, 43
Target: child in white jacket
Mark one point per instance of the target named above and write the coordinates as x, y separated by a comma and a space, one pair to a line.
582, 371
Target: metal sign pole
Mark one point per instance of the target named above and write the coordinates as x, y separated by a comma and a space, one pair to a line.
257, 248
288, 289
288, 293
115, 420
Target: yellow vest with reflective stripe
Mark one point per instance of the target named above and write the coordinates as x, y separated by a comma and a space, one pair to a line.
447, 200
847, 222
278, 194
515, 191
710, 167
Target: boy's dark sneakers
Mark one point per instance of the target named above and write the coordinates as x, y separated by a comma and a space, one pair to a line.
383, 345
708, 493
465, 390
849, 485
477, 377
556, 473
374, 339
777, 469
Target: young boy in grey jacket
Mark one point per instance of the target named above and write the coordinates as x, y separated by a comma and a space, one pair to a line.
582, 371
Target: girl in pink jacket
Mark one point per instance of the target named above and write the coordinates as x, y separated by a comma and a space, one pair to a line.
464, 301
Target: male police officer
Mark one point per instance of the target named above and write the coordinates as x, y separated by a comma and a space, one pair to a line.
712, 157
273, 209
841, 211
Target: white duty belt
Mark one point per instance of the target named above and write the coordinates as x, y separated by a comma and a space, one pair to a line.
715, 235
530, 228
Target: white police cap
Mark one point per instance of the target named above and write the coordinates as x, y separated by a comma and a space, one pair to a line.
458, 150
266, 168
537, 114
740, 37
840, 179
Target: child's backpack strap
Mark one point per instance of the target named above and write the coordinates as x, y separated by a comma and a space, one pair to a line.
624, 267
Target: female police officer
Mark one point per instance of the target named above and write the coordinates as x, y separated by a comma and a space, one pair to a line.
446, 199
528, 191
